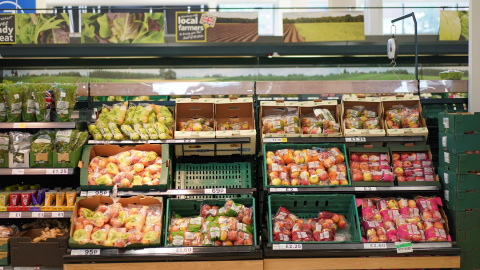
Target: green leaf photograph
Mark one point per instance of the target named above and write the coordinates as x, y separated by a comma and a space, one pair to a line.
35, 28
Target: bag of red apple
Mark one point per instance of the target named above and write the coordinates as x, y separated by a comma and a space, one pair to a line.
370, 211
302, 236
433, 234
429, 209
409, 233
281, 214
389, 214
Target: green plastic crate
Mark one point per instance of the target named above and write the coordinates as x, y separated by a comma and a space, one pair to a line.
459, 163
308, 206
458, 123
213, 175
461, 181
460, 200
191, 208
463, 220
468, 239
459, 143
274, 147
470, 259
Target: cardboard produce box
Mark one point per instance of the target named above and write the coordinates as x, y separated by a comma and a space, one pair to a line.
50, 253
4, 258
370, 103
459, 143
285, 113
410, 102
194, 108
458, 123
239, 112
92, 151
4, 244
308, 108
41, 160
19, 160
92, 203
67, 160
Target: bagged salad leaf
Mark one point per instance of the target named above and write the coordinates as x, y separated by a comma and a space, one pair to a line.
43, 141
42, 95
81, 140
21, 143
65, 140
4, 147
65, 98
14, 99
28, 105
3, 111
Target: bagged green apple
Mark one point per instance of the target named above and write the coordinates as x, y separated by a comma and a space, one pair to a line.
95, 132
129, 132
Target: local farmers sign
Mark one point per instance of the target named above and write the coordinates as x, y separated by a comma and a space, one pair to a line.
188, 27
7, 29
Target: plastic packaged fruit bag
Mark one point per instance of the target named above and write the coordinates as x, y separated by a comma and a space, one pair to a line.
370, 211
196, 124
371, 123
234, 126
355, 111
353, 122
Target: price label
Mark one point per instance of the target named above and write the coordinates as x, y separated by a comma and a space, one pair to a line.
355, 139
444, 141
189, 141
375, 245
57, 171
274, 140
184, 250
446, 123
58, 214
98, 192
83, 194
447, 195
18, 171
365, 188
18, 125
85, 252
15, 215
38, 214
287, 247
215, 191
445, 178
404, 247
446, 157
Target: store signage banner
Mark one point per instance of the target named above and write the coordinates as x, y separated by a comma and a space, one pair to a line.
7, 28
454, 25
323, 26
18, 6
36, 28
123, 28
216, 26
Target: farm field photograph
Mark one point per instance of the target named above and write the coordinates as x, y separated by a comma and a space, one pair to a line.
233, 27
323, 26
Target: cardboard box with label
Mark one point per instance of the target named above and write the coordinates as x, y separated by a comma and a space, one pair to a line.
371, 114
235, 119
92, 151
280, 119
414, 119
41, 160
19, 159
315, 118
194, 120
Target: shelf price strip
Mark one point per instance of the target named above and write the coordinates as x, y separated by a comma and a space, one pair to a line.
98, 192
38, 214
287, 247
283, 189
57, 171
18, 171
374, 245
184, 250
15, 215
85, 252
215, 191
404, 247
274, 140
58, 214
355, 139
365, 188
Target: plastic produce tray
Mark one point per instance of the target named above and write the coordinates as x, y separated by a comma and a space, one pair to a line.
213, 175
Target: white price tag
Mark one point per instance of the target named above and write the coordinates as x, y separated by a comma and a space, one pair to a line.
15, 215
447, 195
404, 247
18, 171
215, 191
58, 214
274, 140
85, 252
83, 194
445, 178
355, 139
375, 245
16, 125
98, 192
287, 247
57, 171
444, 141
446, 123
292, 189
184, 250
189, 140
446, 157
365, 188
38, 214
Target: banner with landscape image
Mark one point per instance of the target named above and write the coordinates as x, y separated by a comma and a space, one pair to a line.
323, 26
453, 25
36, 28
123, 28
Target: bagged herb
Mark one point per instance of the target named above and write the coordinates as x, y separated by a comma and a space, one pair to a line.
28, 105
42, 142
65, 98
42, 95
3, 111
21, 143
4, 147
65, 140
14, 100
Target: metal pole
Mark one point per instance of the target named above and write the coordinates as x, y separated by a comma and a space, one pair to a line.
416, 43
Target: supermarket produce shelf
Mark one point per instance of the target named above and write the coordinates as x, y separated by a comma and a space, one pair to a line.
444, 100
164, 254
340, 189
345, 139
37, 125
37, 171
355, 249
176, 141
39, 214
111, 103
178, 192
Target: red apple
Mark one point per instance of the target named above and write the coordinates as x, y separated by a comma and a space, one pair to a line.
304, 182
417, 164
363, 158
404, 156
377, 175
364, 166
354, 165
401, 179
412, 157
438, 224
357, 177
407, 164
396, 156
419, 178
341, 224
382, 238
397, 164
295, 182
353, 157
398, 171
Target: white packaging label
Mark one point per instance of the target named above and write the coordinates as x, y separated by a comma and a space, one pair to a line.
445, 178
446, 123
447, 195
444, 141
447, 157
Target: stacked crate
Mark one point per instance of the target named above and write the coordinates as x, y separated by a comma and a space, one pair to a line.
459, 170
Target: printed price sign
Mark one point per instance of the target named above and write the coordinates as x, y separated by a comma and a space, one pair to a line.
98, 192
375, 245
85, 252
58, 214
57, 171
404, 247
18, 125
38, 214
215, 191
18, 171
15, 215
287, 247
355, 139
184, 250
274, 140
365, 188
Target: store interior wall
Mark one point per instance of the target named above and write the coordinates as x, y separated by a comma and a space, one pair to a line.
474, 58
